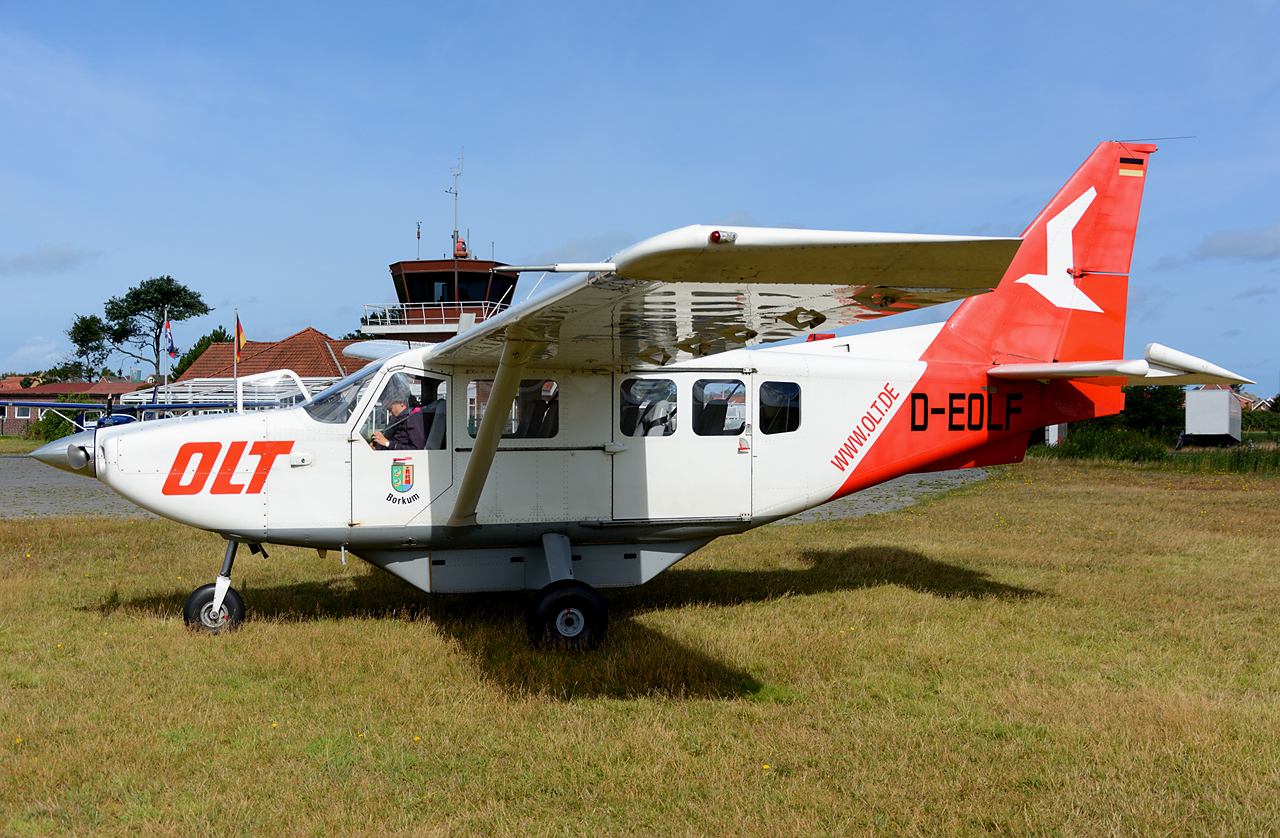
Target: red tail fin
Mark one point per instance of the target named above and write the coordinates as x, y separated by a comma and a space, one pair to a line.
1065, 293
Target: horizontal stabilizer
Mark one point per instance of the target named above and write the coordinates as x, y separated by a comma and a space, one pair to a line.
1161, 366
1169, 366
1077, 369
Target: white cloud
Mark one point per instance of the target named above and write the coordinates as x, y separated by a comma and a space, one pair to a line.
46, 261
1146, 302
1260, 244
37, 353
54, 97
1256, 291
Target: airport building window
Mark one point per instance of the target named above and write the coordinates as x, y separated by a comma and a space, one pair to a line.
779, 407
647, 407
410, 413
535, 411
719, 407
22, 413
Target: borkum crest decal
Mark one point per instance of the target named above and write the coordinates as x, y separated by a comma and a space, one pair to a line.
401, 475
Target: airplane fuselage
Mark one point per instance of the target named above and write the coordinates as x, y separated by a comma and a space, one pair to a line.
744, 438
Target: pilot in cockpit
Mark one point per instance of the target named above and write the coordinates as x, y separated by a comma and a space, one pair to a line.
406, 431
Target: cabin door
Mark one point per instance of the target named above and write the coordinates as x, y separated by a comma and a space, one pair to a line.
400, 457
688, 445
551, 465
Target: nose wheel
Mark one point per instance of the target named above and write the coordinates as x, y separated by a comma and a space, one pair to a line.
200, 613
568, 615
218, 607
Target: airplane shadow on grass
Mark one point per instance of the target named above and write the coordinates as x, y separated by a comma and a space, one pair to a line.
635, 660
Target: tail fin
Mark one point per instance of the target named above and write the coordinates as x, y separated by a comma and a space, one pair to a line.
1064, 295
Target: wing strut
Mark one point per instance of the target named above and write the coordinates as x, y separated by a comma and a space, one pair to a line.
515, 356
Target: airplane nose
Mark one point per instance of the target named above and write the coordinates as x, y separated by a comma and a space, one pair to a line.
71, 453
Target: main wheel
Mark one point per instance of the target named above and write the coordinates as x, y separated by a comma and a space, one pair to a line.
568, 615
199, 610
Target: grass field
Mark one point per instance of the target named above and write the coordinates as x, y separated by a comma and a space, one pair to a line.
1062, 649
18, 445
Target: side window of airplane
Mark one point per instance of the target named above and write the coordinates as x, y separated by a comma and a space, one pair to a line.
647, 407
410, 413
535, 411
779, 407
719, 407
335, 404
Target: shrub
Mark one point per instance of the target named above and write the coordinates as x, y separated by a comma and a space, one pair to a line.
49, 427
1116, 444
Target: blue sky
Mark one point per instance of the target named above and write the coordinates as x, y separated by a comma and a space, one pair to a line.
276, 157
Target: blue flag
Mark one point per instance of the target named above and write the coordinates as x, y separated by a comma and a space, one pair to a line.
168, 341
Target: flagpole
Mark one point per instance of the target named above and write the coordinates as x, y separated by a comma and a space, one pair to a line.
235, 362
167, 399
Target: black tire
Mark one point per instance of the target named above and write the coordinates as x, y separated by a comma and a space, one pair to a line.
198, 611
568, 615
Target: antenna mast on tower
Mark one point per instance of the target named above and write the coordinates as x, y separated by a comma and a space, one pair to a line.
454, 193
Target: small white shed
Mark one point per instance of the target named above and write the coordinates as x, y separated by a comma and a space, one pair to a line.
1213, 414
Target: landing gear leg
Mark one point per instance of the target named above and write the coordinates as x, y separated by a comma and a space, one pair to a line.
215, 607
568, 614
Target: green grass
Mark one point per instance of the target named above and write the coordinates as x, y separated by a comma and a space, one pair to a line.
1063, 649
18, 445
1122, 446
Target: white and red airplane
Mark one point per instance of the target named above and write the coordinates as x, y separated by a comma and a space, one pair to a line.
639, 418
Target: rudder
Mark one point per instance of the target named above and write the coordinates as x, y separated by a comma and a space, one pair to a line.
1065, 294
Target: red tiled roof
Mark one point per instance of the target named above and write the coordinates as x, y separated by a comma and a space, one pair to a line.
307, 353
46, 392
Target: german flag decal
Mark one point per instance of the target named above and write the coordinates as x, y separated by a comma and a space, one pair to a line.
1131, 166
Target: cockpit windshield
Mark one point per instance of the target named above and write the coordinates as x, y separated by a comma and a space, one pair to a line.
335, 404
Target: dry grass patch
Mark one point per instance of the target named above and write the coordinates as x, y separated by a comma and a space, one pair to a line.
1061, 649
18, 445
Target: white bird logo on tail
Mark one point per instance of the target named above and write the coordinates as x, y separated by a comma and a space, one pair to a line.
1057, 284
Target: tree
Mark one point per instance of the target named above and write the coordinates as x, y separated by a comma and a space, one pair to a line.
218, 335
137, 319
1154, 410
89, 334
68, 371
1158, 412
52, 425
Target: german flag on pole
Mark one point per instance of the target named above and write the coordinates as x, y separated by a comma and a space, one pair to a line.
1131, 166
240, 338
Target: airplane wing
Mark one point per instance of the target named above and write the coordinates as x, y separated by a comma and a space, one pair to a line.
1161, 365
703, 290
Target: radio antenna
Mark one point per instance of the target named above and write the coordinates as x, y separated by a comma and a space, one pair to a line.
454, 193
